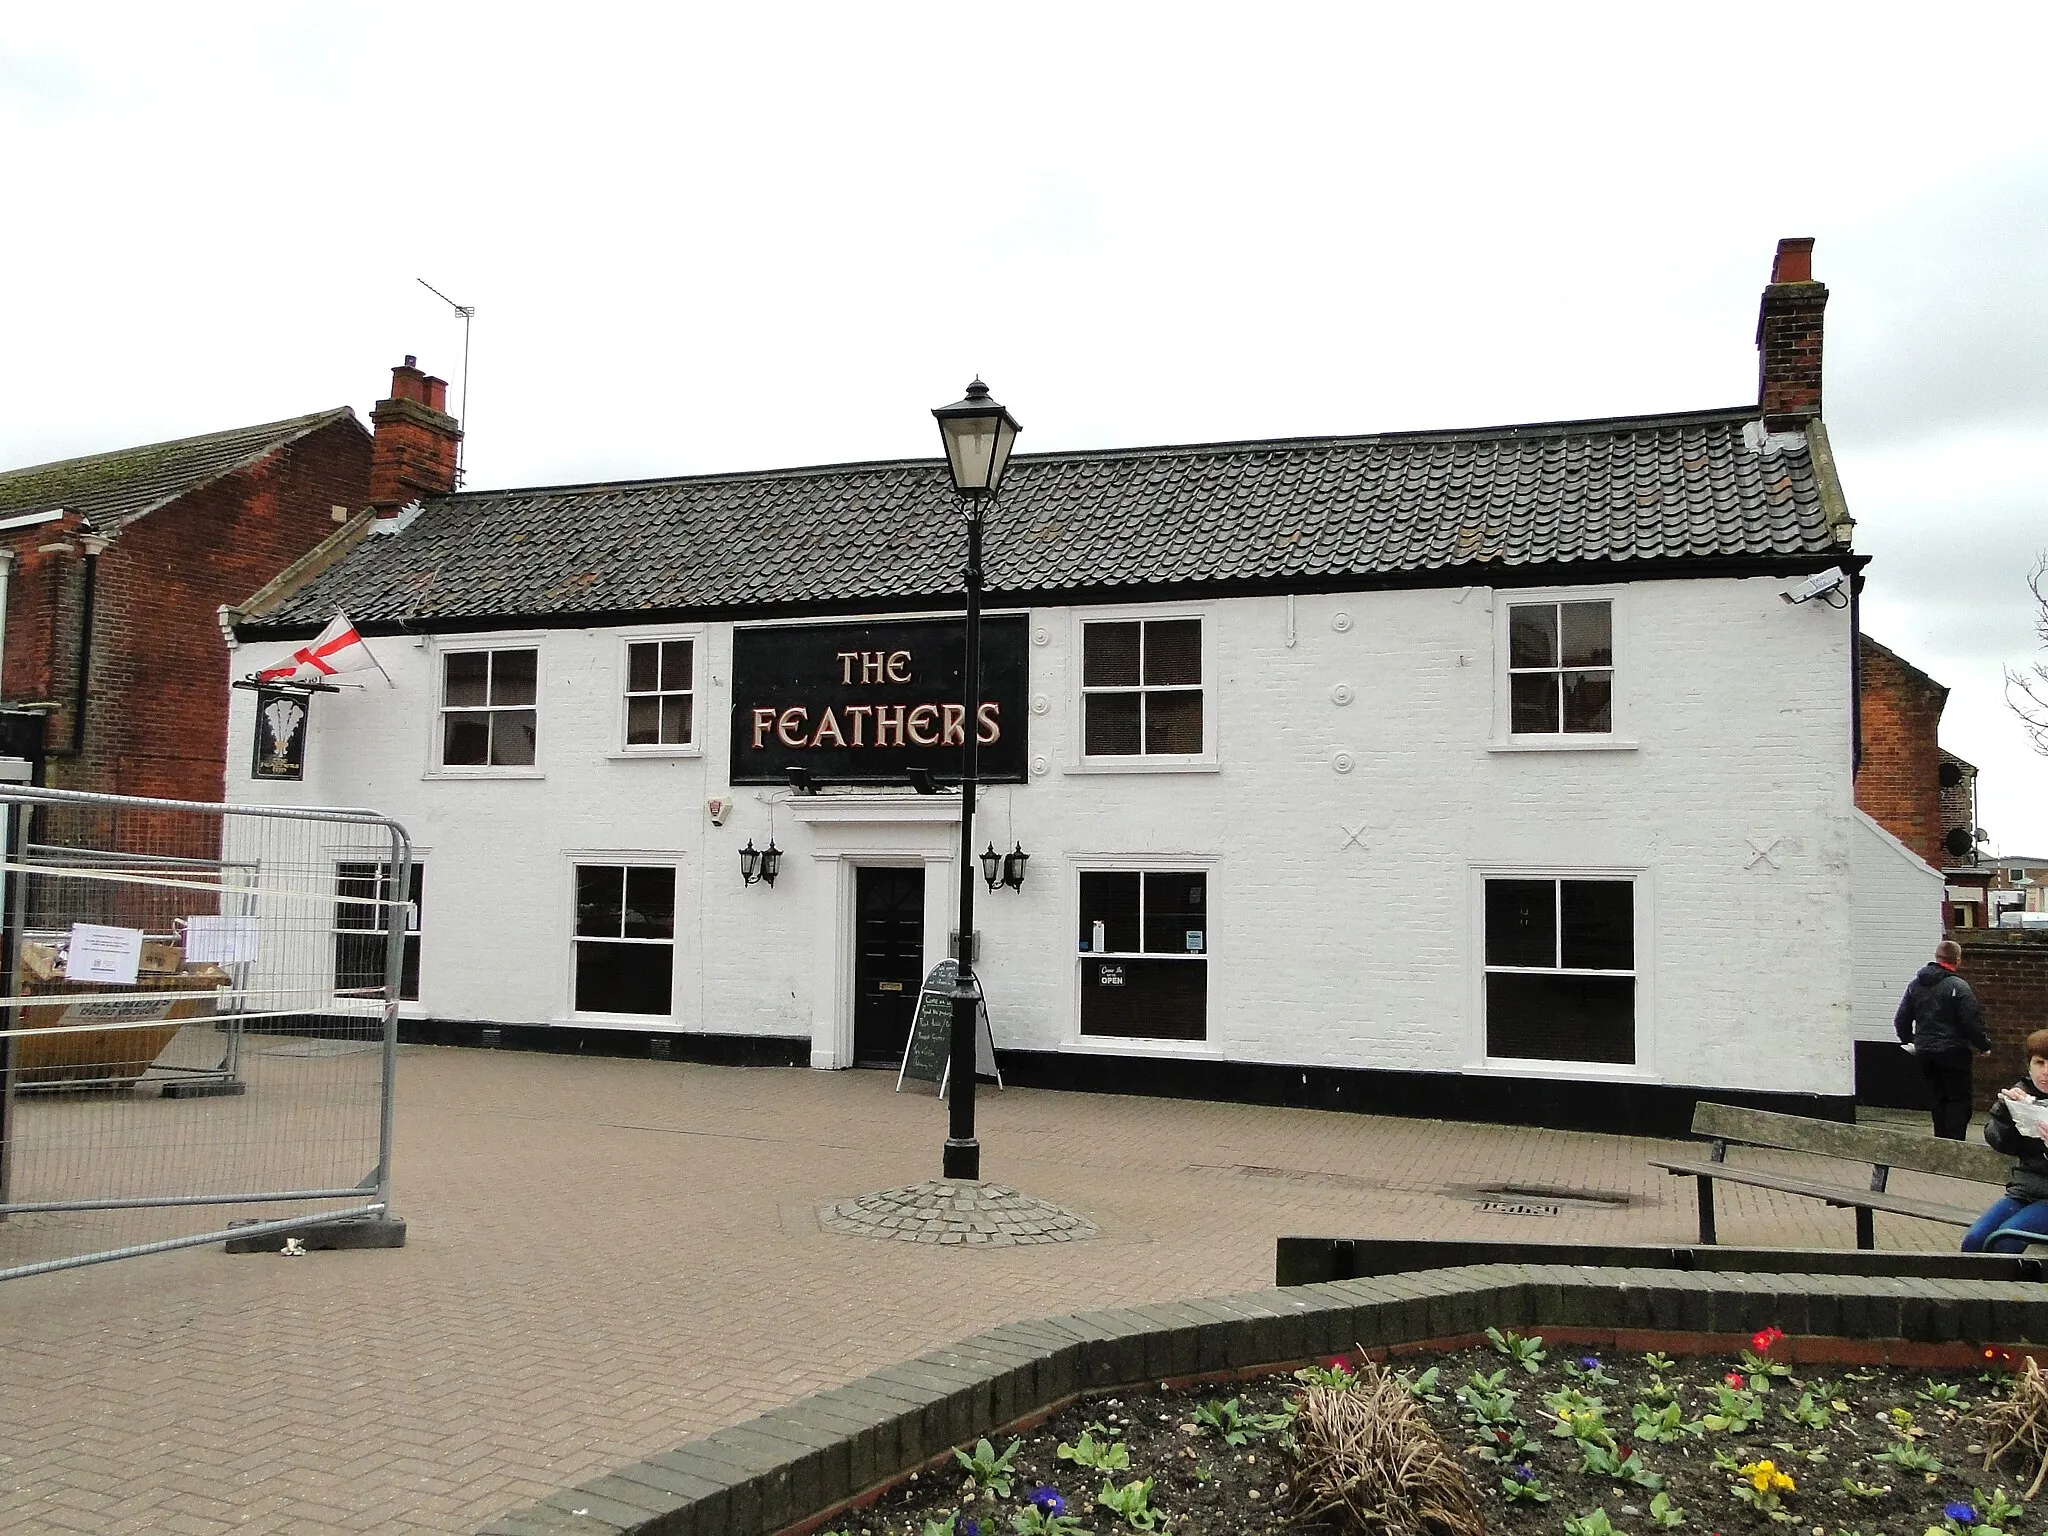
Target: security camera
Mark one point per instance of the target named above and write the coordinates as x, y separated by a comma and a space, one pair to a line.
1823, 585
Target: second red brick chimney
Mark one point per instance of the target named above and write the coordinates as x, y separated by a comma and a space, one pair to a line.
1788, 338
412, 453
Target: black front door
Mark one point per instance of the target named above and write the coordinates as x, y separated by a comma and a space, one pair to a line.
888, 921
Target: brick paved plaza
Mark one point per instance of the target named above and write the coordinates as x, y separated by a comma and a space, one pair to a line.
609, 1256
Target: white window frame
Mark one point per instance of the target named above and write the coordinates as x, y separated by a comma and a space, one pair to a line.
409, 1007
611, 858
1204, 761
1644, 1067
1183, 863
452, 645
1619, 736
694, 747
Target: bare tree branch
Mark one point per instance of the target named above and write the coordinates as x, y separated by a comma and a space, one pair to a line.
2027, 691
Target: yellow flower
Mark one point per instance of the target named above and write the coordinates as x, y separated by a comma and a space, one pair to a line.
1764, 1476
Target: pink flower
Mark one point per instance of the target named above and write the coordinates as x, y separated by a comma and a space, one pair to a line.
1764, 1338
1734, 1379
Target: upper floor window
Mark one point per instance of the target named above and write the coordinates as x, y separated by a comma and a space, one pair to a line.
1561, 668
1141, 688
488, 714
660, 693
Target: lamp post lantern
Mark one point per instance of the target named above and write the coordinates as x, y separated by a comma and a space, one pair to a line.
978, 434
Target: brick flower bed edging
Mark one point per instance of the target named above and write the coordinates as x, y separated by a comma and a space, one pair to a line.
790, 1468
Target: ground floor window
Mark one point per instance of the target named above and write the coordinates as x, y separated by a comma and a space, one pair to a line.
625, 938
362, 893
1145, 954
1561, 969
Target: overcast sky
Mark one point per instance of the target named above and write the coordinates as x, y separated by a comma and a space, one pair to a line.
711, 237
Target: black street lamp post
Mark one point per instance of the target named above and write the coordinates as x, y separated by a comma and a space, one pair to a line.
978, 434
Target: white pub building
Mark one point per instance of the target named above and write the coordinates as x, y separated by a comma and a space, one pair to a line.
1502, 772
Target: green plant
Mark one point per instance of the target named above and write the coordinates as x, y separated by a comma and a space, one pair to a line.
1807, 1413
1097, 1455
1757, 1358
1333, 1374
1593, 1522
1586, 1426
1725, 1461
1236, 1427
1204, 1472
1658, 1362
1660, 1391
959, 1523
1857, 1490
1102, 1431
1523, 1486
1763, 1486
1045, 1514
1943, 1394
1569, 1399
1131, 1503
987, 1468
1908, 1457
1735, 1409
1528, 1353
1665, 1514
1423, 1387
1588, 1368
1510, 1443
1662, 1426
1617, 1465
1997, 1507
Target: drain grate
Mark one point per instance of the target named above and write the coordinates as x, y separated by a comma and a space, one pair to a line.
1517, 1208
1551, 1196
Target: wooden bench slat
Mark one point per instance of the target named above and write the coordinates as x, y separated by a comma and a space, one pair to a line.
1870, 1144
1833, 1194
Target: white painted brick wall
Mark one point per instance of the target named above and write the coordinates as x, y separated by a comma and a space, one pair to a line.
1897, 897
1320, 953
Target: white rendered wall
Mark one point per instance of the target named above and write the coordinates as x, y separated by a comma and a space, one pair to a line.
1897, 900
1344, 925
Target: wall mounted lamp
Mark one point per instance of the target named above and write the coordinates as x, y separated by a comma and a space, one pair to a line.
762, 864
1000, 869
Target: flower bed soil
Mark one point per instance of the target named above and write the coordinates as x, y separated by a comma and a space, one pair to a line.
1202, 1486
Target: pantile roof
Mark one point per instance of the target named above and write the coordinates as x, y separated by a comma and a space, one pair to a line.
1645, 492
113, 489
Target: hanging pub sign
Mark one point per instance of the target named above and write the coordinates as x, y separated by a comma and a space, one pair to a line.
281, 716
867, 703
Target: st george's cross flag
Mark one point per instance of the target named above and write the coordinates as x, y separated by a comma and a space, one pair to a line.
337, 648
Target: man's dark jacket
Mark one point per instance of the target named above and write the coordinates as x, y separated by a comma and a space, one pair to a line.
1939, 1013
2029, 1179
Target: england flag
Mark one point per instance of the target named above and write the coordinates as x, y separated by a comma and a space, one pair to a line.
336, 649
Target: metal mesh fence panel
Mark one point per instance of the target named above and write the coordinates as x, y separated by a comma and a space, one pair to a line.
200, 1022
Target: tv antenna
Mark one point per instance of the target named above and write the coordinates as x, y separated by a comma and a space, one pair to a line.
466, 313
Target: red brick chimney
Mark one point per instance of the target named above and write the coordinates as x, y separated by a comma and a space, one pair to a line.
412, 453
1788, 339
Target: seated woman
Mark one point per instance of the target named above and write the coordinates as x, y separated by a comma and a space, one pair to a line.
2024, 1207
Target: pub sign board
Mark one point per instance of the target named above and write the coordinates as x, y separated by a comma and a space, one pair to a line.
280, 748
863, 703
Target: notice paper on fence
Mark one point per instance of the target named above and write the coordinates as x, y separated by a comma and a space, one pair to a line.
98, 953
220, 940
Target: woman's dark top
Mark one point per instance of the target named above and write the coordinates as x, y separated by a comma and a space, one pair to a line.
2029, 1179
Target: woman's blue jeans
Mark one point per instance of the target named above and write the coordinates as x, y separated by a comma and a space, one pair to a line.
2029, 1215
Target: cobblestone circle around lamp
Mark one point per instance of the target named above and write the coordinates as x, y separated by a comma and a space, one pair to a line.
957, 1212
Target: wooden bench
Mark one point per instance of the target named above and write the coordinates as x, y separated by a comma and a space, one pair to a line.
1880, 1149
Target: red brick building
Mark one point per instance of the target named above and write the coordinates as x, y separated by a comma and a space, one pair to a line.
114, 568
1898, 780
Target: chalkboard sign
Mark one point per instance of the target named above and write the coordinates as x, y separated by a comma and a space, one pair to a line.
927, 1056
